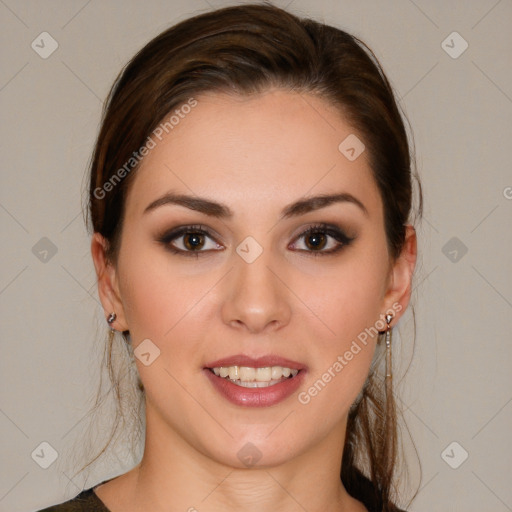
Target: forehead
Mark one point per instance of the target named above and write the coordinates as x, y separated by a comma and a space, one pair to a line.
268, 149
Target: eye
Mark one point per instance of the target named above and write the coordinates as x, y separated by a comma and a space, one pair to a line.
322, 239
187, 240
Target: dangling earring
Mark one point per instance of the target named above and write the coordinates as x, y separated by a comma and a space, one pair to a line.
111, 319
389, 373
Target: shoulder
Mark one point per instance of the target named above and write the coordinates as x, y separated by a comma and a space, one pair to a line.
86, 501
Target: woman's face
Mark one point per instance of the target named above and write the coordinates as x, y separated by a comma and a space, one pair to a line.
214, 269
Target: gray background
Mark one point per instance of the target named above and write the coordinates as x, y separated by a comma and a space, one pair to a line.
458, 387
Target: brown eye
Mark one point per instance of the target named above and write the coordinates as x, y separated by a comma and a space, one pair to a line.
189, 240
316, 241
322, 239
193, 241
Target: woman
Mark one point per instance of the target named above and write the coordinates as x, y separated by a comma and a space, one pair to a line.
250, 194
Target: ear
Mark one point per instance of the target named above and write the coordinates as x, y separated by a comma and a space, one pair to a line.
400, 278
108, 288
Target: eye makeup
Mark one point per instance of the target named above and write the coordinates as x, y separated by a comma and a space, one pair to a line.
196, 240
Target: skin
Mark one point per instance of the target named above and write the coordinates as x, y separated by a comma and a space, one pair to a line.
255, 155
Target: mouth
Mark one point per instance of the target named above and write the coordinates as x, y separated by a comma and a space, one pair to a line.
255, 382
251, 377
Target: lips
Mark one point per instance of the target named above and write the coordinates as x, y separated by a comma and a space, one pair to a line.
258, 362
255, 393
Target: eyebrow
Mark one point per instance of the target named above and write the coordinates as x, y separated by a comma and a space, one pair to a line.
214, 209
316, 202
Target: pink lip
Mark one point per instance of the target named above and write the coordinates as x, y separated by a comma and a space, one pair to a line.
255, 397
258, 362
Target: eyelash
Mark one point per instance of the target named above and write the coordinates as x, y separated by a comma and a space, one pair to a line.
330, 230
327, 229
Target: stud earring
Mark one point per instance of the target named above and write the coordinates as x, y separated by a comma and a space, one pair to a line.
389, 373
111, 319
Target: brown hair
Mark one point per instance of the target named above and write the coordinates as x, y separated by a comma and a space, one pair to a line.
246, 50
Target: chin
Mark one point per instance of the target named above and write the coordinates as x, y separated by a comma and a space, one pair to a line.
258, 450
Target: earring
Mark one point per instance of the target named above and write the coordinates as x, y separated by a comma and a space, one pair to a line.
111, 319
389, 373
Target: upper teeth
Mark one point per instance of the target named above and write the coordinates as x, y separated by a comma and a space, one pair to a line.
248, 374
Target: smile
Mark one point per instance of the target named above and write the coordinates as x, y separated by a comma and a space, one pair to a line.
250, 377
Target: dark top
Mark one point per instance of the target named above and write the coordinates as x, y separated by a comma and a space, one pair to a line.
87, 501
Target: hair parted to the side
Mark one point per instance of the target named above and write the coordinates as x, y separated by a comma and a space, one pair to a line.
246, 50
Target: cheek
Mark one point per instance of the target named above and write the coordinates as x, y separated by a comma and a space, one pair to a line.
346, 300
349, 305
157, 300
341, 361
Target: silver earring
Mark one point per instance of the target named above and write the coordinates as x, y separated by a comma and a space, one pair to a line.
389, 373
111, 319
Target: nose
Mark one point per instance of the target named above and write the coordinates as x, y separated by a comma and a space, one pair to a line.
256, 299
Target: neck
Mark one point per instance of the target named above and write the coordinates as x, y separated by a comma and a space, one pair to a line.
174, 473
